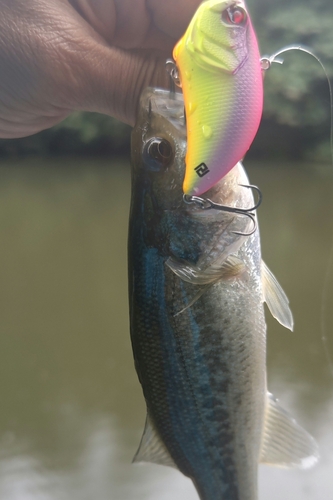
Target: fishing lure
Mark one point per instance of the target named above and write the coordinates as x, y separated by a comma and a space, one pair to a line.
218, 64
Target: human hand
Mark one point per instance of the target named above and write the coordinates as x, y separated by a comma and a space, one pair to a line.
60, 56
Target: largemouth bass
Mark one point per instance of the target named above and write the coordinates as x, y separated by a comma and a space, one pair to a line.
218, 63
196, 287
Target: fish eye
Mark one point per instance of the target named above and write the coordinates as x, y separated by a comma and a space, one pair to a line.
235, 16
157, 153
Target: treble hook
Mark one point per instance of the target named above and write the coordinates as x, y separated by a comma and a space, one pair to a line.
251, 216
172, 71
207, 204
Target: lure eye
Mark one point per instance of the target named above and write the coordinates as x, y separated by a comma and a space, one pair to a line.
157, 153
235, 16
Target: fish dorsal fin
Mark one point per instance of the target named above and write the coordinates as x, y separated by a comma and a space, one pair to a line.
285, 443
232, 267
151, 448
275, 298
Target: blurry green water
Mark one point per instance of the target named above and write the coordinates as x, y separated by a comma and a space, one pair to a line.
71, 406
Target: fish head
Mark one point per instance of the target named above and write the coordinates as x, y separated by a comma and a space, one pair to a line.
181, 227
159, 147
219, 35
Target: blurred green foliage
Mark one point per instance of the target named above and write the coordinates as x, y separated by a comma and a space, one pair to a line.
80, 134
296, 121
297, 98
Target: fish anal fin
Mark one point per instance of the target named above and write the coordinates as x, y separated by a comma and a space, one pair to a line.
151, 448
275, 298
285, 443
232, 267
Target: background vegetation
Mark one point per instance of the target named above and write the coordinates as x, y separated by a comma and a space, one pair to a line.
296, 122
297, 102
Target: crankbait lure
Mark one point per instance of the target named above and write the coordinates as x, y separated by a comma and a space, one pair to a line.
219, 68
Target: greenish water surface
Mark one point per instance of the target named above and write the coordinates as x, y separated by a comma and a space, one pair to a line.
72, 411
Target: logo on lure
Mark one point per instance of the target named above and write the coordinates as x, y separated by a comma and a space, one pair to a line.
201, 169
218, 62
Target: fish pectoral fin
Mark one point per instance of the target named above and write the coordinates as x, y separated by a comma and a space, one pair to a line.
232, 267
275, 298
196, 297
151, 448
285, 443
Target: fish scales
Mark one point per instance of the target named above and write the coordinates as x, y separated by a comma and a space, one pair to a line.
196, 312
186, 368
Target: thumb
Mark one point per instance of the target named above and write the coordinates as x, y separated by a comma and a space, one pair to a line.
54, 62
110, 80
111, 76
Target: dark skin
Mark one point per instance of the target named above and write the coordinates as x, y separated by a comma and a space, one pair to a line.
60, 56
